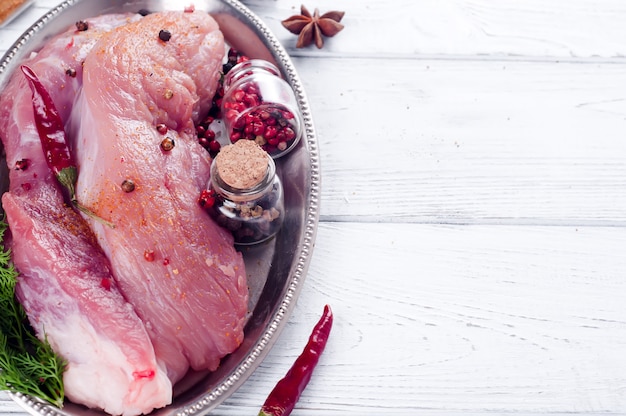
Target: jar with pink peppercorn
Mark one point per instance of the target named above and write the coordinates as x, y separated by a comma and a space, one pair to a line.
259, 105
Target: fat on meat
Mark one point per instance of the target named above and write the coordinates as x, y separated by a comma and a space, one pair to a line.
177, 267
66, 284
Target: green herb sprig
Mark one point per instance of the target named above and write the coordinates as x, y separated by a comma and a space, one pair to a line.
27, 364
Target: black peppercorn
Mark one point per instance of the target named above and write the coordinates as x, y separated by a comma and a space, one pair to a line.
82, 26
165, 35
167, 144
128, 185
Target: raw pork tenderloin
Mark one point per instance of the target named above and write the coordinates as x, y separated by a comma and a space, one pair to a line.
175, 265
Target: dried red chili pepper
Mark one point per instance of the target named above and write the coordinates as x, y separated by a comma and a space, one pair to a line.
287, 391
53, 141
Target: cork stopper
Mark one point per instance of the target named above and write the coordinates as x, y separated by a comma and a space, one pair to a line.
242, 165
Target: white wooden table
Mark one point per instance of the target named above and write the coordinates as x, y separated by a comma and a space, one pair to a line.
472, 240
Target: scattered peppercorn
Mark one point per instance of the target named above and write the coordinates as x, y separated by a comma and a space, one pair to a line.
149, 255
165, 35
106, 283
21, 164
71, 72
167, 144
144, 12
206, 135
210, 135
82, 26
214, 146
128, 185
207, 198
162, 128
233, 59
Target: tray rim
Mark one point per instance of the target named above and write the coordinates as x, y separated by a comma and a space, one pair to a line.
280, 315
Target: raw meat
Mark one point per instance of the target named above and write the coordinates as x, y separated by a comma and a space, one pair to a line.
172, 262
69, 295
66, 284
67, 51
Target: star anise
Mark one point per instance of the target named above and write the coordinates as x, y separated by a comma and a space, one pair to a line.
313, 28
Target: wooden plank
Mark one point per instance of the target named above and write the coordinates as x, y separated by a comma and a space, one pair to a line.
8, 406
470, 141
459, 320
568, 29
10, 34
575, 29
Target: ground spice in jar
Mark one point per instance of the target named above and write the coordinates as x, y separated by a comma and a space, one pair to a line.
242, 165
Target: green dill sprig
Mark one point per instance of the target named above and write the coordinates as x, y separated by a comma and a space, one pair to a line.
27, 364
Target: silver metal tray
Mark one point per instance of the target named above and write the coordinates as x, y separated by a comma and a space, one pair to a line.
277, 269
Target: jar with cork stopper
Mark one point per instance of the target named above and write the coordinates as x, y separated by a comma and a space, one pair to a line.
247, 193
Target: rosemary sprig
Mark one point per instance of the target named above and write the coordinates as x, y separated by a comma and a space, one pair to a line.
27, 364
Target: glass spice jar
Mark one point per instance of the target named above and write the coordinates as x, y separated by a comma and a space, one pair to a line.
259, 105
247, 192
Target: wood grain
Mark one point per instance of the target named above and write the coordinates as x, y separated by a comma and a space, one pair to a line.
467, 29
569, 30
473, 223
471, 141
519, 322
